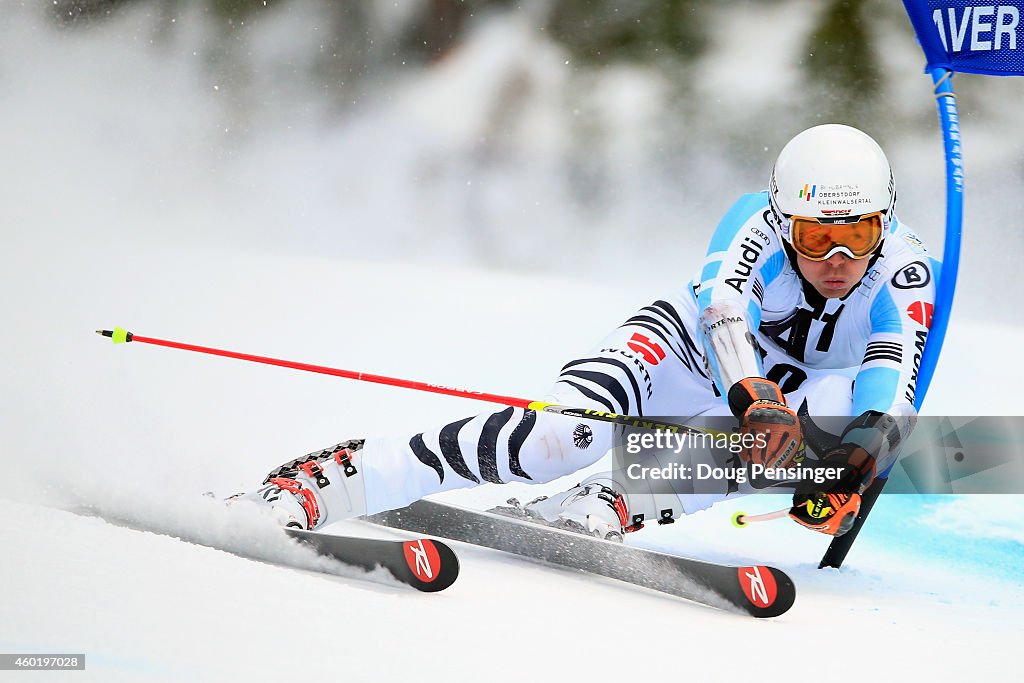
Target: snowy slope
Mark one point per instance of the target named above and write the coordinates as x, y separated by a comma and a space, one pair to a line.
141, 431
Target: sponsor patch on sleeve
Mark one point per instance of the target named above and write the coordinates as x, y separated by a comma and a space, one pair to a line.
921, 312
912, 276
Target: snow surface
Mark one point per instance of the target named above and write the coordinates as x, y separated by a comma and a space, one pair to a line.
139, 431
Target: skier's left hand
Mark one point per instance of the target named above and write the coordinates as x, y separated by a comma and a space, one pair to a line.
834, 509
828, 513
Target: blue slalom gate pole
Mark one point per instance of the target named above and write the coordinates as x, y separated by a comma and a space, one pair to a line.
946, 99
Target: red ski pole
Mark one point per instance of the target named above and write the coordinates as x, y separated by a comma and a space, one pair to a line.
120, 336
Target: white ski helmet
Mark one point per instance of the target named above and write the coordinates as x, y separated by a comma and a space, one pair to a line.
832, 173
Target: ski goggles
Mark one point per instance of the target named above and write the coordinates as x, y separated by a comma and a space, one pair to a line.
818, 239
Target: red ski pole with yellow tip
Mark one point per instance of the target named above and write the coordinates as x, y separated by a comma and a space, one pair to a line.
121, 336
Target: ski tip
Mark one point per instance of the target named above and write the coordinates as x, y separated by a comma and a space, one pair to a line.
433, 565
119, 335
769, 592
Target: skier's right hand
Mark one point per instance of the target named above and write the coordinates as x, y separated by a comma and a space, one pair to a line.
769, 429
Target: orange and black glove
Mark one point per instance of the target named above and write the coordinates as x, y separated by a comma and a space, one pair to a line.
828, 513
833, 510
769, 429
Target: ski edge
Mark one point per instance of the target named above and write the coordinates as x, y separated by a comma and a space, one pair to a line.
756, 590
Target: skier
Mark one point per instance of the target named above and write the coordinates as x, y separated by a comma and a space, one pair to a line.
812, 295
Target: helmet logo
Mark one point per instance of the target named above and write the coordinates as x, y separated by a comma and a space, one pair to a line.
841, 195
831, 171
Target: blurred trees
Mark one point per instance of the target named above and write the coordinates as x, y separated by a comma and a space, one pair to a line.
593, 30
827, 52
841, 54
841, 58
350, 49
601, 31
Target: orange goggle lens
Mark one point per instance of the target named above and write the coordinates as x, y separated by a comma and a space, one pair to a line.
818, 241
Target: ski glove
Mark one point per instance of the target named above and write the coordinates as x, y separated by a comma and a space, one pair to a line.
829, 513
834, 509
770, 430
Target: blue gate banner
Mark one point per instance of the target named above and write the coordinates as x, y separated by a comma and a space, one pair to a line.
970, 36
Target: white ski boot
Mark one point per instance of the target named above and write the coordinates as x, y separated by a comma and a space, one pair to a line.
314, 490
593, 508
